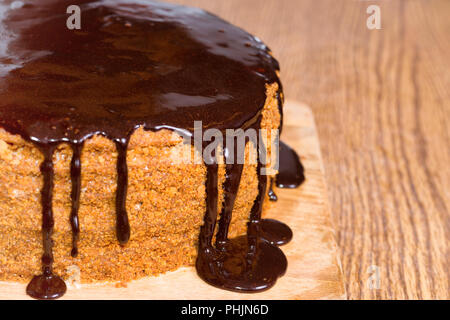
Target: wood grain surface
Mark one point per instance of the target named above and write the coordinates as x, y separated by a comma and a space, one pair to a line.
381, 101
314, 270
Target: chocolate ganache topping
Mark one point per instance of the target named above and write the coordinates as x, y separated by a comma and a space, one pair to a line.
140, 64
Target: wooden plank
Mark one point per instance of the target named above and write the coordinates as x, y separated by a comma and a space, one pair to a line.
314, 269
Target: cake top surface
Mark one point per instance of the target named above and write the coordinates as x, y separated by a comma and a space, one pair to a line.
133, 63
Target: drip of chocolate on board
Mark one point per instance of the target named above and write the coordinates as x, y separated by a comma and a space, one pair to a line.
272, 195
201, 79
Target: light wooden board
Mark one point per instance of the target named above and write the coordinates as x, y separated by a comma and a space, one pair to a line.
314, 269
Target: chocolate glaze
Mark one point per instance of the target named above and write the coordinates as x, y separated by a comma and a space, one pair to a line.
291, 172
47, 285
122, 224
140, 64
244, 264
75, 173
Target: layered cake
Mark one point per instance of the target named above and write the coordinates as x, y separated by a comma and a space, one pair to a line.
92, 124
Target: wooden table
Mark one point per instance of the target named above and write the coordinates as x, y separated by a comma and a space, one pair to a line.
381, 99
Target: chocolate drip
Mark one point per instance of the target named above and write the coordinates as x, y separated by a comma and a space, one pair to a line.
291, 172
255, 214
75, 173
272, 195
122, 224
243, 264
47, 285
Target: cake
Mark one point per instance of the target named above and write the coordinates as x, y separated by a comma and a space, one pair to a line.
92, 123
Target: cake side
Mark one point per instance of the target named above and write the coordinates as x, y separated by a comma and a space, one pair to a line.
165, 204
104, 105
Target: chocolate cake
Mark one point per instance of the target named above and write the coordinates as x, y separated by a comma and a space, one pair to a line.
91, 122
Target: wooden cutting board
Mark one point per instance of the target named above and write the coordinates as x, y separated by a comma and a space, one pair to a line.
314, 270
